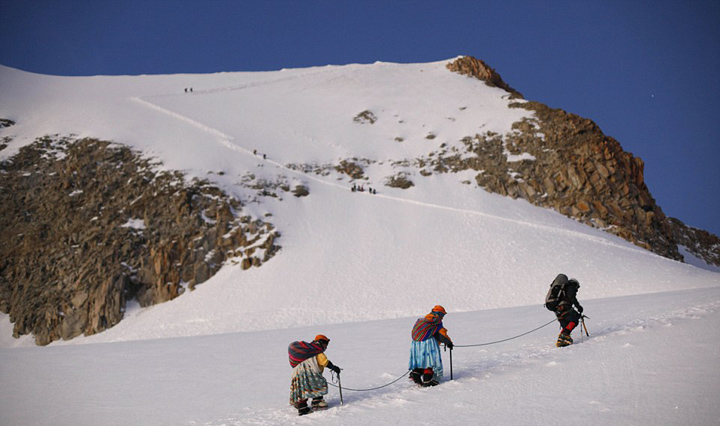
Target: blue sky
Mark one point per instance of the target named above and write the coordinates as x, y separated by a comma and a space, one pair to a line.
647, 72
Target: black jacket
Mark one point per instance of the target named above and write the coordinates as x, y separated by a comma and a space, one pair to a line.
569, 300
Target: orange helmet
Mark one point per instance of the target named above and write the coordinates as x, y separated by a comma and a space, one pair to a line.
321, 338
439, 309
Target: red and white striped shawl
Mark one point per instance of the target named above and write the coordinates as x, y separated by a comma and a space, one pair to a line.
300, 351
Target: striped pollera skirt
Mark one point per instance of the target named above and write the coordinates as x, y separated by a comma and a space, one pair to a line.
307, 381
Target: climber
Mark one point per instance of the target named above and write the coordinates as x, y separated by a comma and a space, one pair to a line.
308, 361
425, 360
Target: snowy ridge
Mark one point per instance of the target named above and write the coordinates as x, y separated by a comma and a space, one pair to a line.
346, 256
190, 121
228, 141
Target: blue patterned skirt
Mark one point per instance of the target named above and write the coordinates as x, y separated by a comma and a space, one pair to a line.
426, 354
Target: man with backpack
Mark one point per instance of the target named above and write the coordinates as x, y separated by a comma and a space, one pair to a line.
561, 299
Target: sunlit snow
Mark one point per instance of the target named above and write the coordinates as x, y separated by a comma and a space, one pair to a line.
360, 267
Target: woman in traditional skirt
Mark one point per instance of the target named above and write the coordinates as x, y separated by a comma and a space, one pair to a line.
308, 361
425, 359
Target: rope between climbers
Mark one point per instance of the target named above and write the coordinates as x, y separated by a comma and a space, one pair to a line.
505, 340
370, 389
456, 346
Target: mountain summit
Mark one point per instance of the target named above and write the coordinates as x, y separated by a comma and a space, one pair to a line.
311, 196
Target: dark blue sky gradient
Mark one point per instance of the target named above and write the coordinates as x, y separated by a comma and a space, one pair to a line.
647, 72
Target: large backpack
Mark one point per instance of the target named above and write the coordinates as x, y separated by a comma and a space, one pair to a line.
556, 293
300, 351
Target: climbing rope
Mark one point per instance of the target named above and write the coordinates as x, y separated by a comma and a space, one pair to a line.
334, 378
370, 389
505, 340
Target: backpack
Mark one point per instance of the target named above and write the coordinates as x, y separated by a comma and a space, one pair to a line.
556, 293
300, 351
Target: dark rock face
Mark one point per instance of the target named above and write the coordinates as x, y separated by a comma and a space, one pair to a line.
399, 181
700, 243
472, 67
564, 162
4, 122
584, 174
87, 225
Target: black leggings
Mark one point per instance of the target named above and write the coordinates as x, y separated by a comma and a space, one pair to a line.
569, 320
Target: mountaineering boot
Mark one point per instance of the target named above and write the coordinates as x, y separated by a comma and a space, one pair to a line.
564, 339
319, 404
416, 376
427, 378
303, 408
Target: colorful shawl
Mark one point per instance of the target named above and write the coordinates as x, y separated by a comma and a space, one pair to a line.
425, 328
300, 351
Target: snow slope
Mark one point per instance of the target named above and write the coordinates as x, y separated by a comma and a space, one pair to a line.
650, 360
359, 267
346, 256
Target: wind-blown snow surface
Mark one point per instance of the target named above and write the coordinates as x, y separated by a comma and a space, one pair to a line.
351, 259
650, 360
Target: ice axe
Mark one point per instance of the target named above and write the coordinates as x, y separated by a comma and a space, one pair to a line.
582, 321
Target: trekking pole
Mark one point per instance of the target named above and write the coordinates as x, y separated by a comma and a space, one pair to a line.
445, 348
340, 387
451, 372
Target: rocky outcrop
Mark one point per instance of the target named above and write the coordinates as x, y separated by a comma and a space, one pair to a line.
472, 67
87, 225
582, 173
365, 117
400, 180
565, 162
4, 122
700, 243
350, 168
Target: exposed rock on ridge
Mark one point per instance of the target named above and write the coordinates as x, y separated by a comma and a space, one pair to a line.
700, 243
4, 122
472, 67
562, 161
87, 225
584, 174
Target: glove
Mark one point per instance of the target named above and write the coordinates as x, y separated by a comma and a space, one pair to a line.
334, 368
449, 345
580, 308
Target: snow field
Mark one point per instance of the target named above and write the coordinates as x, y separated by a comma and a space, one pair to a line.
649, 360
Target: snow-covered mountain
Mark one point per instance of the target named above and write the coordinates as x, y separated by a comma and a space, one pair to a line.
358, 266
